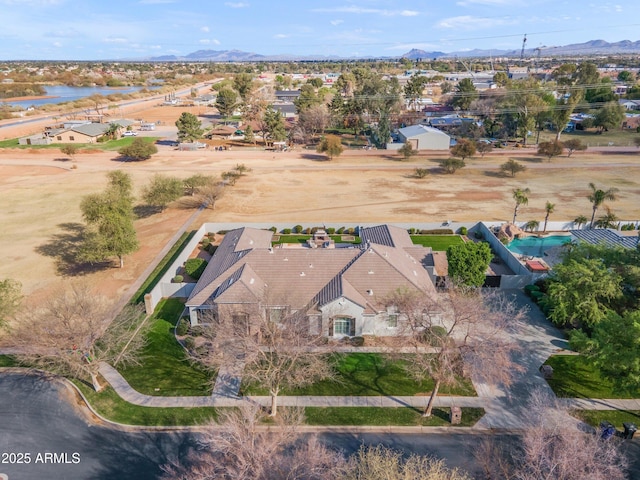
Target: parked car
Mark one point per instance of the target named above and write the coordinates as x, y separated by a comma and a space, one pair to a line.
130, 134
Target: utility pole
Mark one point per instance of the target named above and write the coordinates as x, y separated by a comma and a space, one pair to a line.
524, 44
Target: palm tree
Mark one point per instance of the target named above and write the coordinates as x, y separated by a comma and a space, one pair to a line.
549, 207
597, 197
580, 220
520, 195
531, 225
608, 220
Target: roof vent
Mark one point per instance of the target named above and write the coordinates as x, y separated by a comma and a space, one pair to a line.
370, 272
311, 265
270, 249
302, 274
370, 292
286, 259
252, 281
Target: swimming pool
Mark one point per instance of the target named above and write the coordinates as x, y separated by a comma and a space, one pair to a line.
535, 246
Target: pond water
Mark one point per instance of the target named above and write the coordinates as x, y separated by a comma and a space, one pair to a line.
64, 93
536, 246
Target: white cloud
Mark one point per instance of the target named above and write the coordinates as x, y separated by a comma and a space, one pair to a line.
281, 35
207, 41
373, 11
467, 22
57, 44
491, 3
236, 4
204, 29
335, 23
115, 40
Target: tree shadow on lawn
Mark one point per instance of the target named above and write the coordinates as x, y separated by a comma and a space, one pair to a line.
315, 158
528, 159
497, 174
64, 248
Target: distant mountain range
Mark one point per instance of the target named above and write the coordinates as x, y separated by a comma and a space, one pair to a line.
593, 47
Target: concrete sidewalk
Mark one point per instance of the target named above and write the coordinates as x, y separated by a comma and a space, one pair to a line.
124, 390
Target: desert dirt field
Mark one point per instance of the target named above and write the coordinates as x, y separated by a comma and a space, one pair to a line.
40, 195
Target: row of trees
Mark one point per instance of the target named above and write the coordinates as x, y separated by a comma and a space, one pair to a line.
238, 447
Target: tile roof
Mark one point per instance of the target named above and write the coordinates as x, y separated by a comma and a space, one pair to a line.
245, 268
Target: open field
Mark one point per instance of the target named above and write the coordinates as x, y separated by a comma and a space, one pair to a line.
40, 196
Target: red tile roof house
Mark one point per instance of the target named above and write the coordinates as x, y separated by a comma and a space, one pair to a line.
340, 290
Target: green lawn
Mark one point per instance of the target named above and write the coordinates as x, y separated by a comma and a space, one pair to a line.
164, 365
378, 416
616, 417
367, 374
108, 404
162, 267
438, 243
574, 376
294, 238
111, 145
8, 361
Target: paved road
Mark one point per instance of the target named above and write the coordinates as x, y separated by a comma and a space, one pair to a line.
38, 416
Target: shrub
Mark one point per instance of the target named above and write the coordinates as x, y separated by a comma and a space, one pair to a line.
357, 341
183, 327
205, 242
314, 230
212, 248
437, 231
340, 231
286, 231
351, 231
307, 231
222, 232
297, 229
529, 289
412, 231
462, 230
331, 230
274, 229
194, 267
178, 279
189, 343
504, 240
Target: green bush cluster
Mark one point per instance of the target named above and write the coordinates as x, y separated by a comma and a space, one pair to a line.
183, 327
297, 229
178, 279
462, 230
274, 229
286, 231
194, 267
331, 230
412, 231
205, 242
628, 227
357, 341
340, 231
189, 343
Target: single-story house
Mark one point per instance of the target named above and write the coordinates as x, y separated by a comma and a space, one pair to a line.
630, 104
287, 110
341, 291
39, 139
421, 137
287, 95
86, 132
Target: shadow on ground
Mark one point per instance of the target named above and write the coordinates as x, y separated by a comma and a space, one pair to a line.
64, 248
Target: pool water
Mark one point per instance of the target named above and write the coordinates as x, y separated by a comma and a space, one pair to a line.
534, 246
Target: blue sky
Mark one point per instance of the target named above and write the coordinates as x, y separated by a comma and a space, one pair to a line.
118, 29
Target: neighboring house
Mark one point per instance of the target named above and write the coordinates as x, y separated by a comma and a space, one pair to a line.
421, 137
287, 110
630, 104
341, 291
611, 238
448, 122
87, 132
39, 139
287, 96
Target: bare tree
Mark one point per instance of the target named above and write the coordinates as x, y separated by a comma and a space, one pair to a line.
71, 333
277, 346
211, 192
314, 120
240, 446
380, 462
460, 333
554, 448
